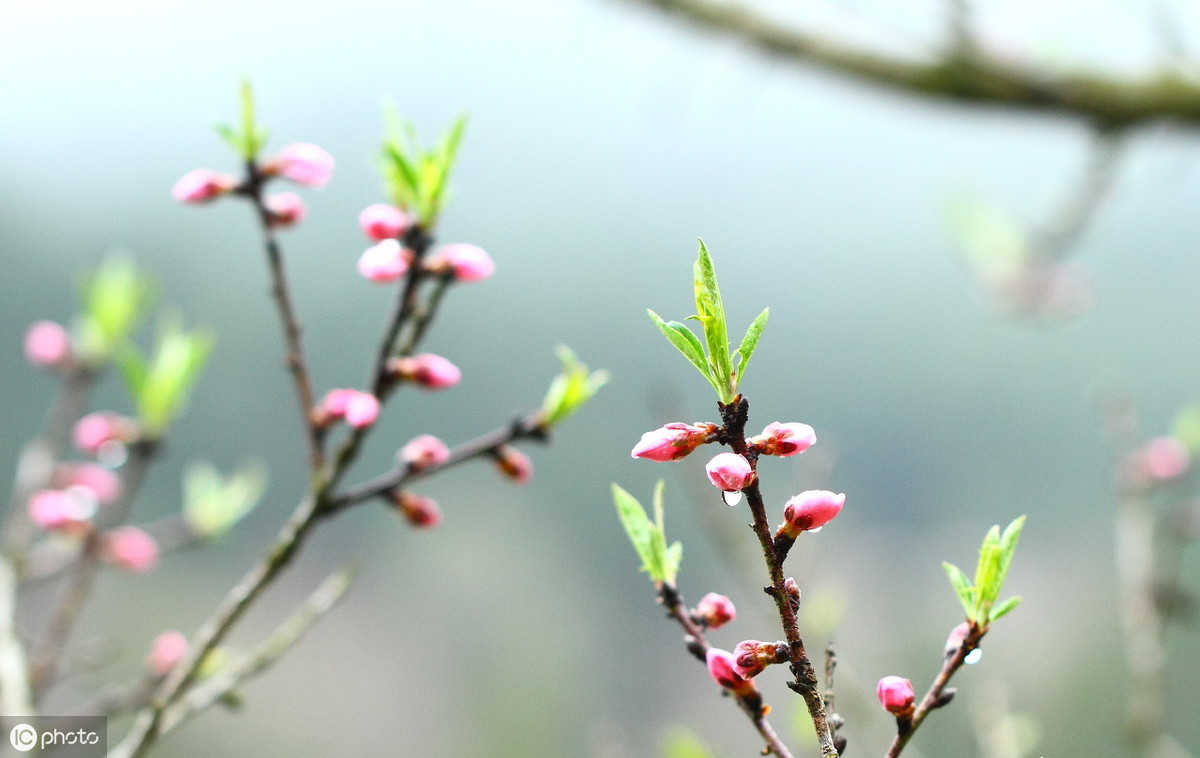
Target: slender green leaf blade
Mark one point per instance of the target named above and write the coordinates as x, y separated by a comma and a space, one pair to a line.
749, 342
962, 587
686, 343
710, 311
1004, 608
637, 526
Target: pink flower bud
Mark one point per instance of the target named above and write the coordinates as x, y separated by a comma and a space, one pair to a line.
61, 509
811, 509
750, 657
1162, 459
468, 263
423, 452
95, 430
47, 344
421, 511
382, 222
672, 442
304, 164
955, 640
166, 650
130, 548
201, 185
715, 610
514, 464
721, 669
385, 262
729, 472
428, 370
359, 409
896, 695
287, 208
784, 439
103, 483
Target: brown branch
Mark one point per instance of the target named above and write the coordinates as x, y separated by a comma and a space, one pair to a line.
212, 690
967, 76
698, 646
281, 293
530, 427
45, 664
804, 683
937, 695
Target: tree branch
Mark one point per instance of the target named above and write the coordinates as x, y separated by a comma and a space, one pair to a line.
966, 76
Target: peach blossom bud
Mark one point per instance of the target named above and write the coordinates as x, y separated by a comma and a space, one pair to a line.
672, 442
166, 650
103, 483
51, 509
384, 262
784, 439
729, 472
305, 164
382, 222
423, 452
287, 208
955, 640
428, 370
895, 695
130, 548
95, 430
1162, 458
715, 610
514, 464
811, 509
421, 511
362, 409
359, 409
335, 402
47, 344
467, 263
750, 657
721, 669
201, 185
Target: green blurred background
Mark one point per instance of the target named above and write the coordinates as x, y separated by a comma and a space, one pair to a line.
603, 140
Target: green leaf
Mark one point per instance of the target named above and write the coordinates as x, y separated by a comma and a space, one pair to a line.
212, 504
133, 368
161, 390
687, 343
710, 312
115, 298
571, 389
962, 587
649, 537
1003, 608
639, 528
749, 342
253, 137
231, 137
1187, 428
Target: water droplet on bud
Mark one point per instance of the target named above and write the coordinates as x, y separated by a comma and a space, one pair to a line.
973, 656
731, 498
814, 531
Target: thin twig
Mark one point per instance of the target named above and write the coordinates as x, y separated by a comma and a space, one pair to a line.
281, 292
698, 646
529, 427
977, 79
212, 690
45, 664
805, 678
937, 695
